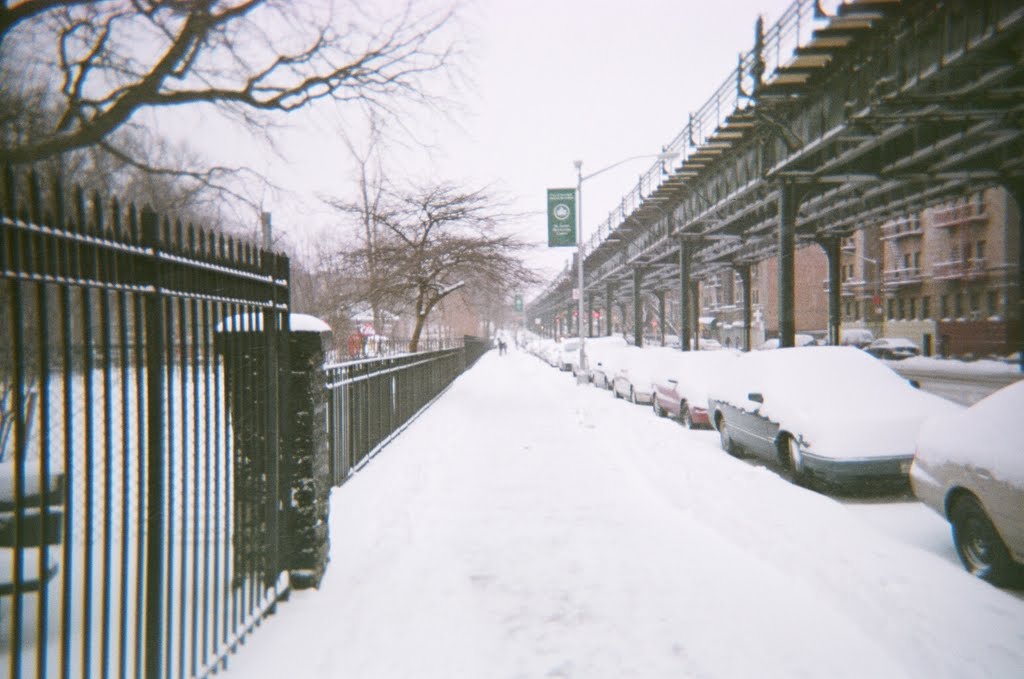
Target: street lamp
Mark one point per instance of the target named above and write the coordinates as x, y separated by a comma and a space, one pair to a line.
580, 178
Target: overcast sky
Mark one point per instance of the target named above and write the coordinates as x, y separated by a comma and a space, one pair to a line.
553, 81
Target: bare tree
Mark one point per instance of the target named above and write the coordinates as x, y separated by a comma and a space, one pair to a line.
113, 58
366, 209
438, 239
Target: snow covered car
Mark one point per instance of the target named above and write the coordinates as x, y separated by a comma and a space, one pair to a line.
970, 469
799, 340
569, 355
893, 348
823, 413
856, 337
639, 369
604, 356
682, 391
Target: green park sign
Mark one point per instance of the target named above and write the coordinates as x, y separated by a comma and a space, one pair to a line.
561, 218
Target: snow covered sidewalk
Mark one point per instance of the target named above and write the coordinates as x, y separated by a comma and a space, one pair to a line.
525, 526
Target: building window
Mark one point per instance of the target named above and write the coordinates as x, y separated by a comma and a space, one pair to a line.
944, 306
917, 260
958, 305
856, 309
979, 250
892, 309
913, 308
975, 301
992, 302
902, 308
926, 312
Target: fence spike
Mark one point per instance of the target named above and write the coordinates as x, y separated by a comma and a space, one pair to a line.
8, 189
133, 224
59, 208
115, 217
35, 206
97, 214
80, 225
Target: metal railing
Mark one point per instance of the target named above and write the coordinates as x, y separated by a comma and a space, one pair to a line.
780, 41
370, 401
139, 491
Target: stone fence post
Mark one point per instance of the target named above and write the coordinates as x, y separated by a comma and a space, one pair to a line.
304, 451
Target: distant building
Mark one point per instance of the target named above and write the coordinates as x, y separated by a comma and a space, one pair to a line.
946, 278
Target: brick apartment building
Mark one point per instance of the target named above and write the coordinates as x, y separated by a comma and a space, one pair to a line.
947, 278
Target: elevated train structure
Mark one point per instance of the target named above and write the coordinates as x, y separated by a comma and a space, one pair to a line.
877, 110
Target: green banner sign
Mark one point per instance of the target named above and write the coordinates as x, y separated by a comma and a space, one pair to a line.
561, 218
519, 302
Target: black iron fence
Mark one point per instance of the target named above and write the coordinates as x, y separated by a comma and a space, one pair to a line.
370, 401
139, 439
149, 383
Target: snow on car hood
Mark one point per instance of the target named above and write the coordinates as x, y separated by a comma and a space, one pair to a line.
841, 401
986, 435
651, 365
695, 372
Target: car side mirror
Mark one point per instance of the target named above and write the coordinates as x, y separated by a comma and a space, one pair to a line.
755, 397
672, 381
915, 384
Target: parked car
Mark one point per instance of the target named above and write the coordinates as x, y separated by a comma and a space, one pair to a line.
709, 344
970, 469
800, 340
569, 355
682, 391
856, 337
638, 370
830, 414
604, 356
893, 348
547, 350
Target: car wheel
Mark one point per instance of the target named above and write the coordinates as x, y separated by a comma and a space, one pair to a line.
632, 396
792, 460
615, 392
684, 415
658, 410
981, 550
728, 445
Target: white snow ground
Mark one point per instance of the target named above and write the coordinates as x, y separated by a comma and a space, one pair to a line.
525, 526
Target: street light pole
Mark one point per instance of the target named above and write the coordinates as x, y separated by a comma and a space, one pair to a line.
581, 376
578, 164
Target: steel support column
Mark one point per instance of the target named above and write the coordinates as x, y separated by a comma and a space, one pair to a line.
609, 308
684, 302
1015, 187
788, 205
748, 311
831, 247
638, 307
695, 298
590, 315
661, 316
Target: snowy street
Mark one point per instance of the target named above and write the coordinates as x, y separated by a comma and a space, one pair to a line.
525, 526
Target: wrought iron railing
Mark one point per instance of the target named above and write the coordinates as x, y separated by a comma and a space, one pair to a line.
139, 489
370, 401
